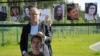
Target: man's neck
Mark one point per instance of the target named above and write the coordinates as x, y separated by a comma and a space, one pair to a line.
36, 52
35, 23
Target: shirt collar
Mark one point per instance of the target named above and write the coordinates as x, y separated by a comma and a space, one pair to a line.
35, 24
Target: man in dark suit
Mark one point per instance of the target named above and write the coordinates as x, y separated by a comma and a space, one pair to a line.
34, 27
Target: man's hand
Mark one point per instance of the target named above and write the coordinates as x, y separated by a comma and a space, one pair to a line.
26, 54
40, 34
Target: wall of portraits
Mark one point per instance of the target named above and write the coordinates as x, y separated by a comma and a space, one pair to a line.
69, 12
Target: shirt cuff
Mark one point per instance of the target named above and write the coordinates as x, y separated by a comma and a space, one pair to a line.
23, 52
47, 38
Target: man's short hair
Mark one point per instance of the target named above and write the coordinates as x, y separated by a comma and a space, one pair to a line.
33, 8
70, 7
36, 36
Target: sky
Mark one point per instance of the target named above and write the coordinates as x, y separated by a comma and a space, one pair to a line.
82, 3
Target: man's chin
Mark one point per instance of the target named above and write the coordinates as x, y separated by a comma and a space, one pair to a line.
36, 49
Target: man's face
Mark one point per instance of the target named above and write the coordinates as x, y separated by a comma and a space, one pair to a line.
36, 44
34, 15
73, 13
92, 9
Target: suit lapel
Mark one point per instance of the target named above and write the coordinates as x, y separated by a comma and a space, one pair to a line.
41, 28
29, 28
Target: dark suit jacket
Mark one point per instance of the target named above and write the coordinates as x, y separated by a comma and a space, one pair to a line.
26, 30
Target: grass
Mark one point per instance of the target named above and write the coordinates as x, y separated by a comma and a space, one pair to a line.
69, 46
75, 46
10, 50
67, 43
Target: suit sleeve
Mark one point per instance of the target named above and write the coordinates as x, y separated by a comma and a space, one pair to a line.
23, 41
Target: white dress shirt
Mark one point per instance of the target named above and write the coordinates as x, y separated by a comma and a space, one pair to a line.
34, 29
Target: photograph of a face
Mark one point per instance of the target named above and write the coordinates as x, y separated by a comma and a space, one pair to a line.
15, 12
26, 13
90, 11
58, 12
72, 11
3, 13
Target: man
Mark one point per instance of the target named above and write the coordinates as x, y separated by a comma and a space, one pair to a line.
34, 27
36, 42
72, 12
